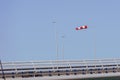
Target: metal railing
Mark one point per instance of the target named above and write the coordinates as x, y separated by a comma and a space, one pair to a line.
58, 68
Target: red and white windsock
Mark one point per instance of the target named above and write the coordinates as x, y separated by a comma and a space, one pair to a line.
82, 27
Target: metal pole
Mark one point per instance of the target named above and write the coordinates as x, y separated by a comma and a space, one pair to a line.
2, 70
56, 38
94, 37
57, 45
63, 47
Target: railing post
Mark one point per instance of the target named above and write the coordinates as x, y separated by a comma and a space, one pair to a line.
2, 70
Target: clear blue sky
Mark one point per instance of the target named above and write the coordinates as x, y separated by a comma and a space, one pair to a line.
27, 32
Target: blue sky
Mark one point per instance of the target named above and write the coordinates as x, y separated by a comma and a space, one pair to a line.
27, 31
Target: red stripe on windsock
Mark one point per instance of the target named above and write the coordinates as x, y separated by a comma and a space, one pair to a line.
76, 28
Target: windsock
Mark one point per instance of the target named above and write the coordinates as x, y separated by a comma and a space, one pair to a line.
82, 27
